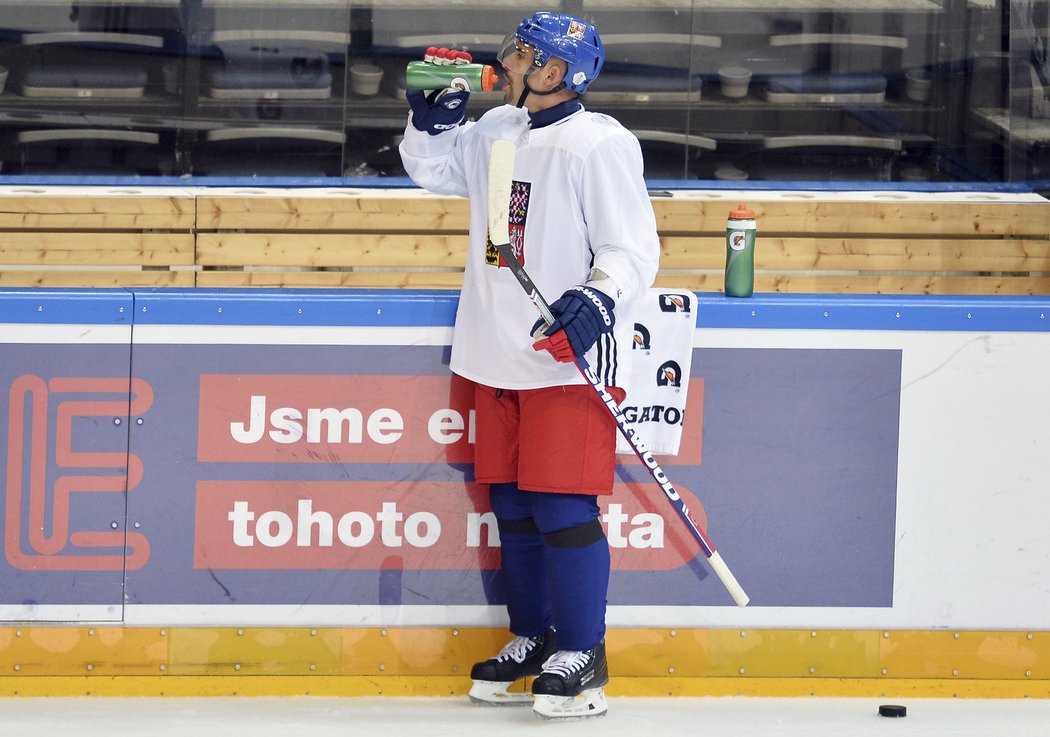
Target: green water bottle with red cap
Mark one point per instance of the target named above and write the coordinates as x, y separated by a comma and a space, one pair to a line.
443, 68
740, 252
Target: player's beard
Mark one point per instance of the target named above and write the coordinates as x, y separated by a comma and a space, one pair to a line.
513, 88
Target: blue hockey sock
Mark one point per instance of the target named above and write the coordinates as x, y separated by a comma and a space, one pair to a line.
524, 562
555, 564
578, 572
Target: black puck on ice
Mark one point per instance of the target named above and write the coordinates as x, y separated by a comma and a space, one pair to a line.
893, 710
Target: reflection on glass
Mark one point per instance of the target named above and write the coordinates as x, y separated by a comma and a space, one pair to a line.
895, 91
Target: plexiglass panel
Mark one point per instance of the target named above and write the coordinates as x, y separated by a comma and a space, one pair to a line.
885, 91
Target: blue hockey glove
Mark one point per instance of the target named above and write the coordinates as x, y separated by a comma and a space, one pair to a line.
583, 314
436, 113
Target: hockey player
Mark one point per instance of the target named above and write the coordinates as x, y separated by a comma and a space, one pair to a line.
583, 225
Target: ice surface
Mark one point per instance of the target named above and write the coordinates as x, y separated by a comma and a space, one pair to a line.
445, 717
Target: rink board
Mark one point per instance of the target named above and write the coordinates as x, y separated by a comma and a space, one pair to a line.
860, 463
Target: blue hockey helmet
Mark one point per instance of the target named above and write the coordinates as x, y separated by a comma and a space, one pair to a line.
565, 37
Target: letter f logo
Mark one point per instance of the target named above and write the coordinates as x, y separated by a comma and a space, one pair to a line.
53, 543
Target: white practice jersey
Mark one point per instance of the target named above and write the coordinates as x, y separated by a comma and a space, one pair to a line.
578, 201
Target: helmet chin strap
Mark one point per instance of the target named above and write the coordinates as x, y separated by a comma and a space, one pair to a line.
527, 90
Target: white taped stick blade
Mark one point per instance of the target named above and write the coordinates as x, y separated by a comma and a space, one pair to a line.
501, 172
728, 579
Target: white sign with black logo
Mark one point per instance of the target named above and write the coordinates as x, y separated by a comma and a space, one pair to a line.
664, 323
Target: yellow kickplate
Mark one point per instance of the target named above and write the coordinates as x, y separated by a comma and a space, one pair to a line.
619, 686
43, 660
76, 651
793, 653
255, 651
965, 654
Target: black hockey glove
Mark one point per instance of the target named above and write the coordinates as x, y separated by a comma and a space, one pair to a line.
581, 315
440, 111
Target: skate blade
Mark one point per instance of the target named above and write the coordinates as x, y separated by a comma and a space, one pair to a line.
495, 693
586, 704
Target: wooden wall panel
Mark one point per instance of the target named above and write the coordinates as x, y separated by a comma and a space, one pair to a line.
85, 238
889, 243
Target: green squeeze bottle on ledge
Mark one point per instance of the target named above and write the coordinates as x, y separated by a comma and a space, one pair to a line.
422, 75
740, 253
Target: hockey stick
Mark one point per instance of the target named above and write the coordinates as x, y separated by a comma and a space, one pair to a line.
501, 170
